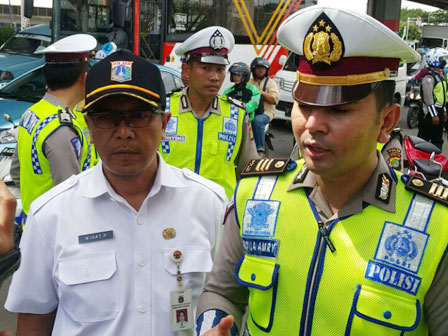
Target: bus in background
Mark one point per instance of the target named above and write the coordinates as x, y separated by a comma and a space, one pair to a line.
153, 28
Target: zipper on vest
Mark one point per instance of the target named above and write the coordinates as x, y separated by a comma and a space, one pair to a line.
197, 163
324, 234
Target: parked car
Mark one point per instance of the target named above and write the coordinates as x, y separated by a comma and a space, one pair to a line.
286, 78
24, 91
17, 53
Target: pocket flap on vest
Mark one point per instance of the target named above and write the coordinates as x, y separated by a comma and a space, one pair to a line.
256, 272
387, 309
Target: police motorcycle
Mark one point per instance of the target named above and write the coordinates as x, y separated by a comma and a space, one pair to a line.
414, 103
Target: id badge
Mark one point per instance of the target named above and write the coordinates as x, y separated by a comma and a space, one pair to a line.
181, 312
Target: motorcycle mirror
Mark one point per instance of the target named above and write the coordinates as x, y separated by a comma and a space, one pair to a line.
8, 118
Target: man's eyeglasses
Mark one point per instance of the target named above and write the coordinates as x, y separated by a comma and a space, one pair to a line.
133, 119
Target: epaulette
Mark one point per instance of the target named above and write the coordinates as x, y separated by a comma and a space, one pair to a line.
174, 91
434, 191
66, 116
267, 166
216, 188
236, 102
53, 192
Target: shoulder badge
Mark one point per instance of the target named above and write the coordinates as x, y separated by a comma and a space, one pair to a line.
266, 166
236, 102
434, 191
383, 188
65, 116
301, 175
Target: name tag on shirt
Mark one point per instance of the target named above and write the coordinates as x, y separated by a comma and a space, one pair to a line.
97, 236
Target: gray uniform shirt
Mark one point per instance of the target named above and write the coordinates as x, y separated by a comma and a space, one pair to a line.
247, 151
58, 149
224, 293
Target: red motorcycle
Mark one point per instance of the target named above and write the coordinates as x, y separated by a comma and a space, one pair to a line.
425, 160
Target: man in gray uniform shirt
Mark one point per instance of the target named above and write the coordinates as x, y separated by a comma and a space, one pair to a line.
51, 145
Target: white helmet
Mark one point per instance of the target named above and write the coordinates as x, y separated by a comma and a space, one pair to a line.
434, 57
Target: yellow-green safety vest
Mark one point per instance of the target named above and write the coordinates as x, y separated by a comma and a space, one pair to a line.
36, 125
94, 157
375, 281
206, 146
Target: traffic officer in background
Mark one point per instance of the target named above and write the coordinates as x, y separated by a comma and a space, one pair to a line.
207, 133
339, 243
51, 145
433, 87
105, 252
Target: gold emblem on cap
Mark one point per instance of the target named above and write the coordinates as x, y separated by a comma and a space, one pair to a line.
169, 233
279, 164
317, 47
417, 183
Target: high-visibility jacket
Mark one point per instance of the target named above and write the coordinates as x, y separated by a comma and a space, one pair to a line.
36, 125
206, 146
94, 157
375, 281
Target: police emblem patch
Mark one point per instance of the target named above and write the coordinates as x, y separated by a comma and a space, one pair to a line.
401, 246
171, 126
76, 143
29, 120
217, 40
323, 45
229, 130
260, 218
121, 71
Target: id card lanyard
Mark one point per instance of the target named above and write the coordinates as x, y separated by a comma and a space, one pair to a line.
180, 299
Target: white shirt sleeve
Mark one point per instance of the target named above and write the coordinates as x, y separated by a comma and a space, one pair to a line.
32, 289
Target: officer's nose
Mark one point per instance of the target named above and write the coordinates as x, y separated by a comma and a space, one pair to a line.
316, 119
123, 131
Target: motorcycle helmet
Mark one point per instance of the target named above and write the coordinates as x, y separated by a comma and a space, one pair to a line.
242, 69
435, 57
260, 61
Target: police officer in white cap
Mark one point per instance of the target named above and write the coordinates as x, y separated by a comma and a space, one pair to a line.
338, 243
51, 145
207, 133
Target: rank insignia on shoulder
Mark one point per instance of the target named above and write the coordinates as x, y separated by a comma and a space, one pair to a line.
266, 166
236, 102
65, 116
383, 188
300, 177
434, 191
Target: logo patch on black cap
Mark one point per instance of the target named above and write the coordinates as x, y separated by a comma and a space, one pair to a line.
323, 46
217, 40
121, 71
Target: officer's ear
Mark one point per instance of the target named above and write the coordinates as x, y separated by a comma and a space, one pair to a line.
186, 69
389, 118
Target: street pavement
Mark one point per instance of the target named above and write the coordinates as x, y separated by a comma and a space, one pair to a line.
283, 144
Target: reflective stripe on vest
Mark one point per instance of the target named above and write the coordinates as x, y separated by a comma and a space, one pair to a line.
206, 146
373, 284
36, 125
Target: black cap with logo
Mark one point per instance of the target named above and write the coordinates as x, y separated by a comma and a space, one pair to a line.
123, 73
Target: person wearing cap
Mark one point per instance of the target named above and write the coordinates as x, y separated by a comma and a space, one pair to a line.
337, 243
106, 253
433, 88
51, 145
207, 133
269, 99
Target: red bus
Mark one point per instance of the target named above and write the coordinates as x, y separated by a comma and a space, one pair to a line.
152, 28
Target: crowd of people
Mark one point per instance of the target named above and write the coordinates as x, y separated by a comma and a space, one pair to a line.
154, 213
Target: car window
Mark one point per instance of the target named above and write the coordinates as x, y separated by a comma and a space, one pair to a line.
178, 82
168, 80
30, 87
23, 45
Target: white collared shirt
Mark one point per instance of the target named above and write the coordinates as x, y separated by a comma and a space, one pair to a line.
120, 285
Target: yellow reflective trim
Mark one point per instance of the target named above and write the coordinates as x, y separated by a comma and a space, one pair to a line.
122, 86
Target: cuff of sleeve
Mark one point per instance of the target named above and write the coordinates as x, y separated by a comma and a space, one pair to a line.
432, 110
211, 318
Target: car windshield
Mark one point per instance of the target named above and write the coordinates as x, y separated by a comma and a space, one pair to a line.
30, 87
25, 44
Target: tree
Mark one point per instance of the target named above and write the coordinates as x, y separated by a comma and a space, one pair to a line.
6, 32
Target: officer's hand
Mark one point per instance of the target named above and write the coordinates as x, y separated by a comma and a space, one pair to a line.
7, 213
435, 121
223, 328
